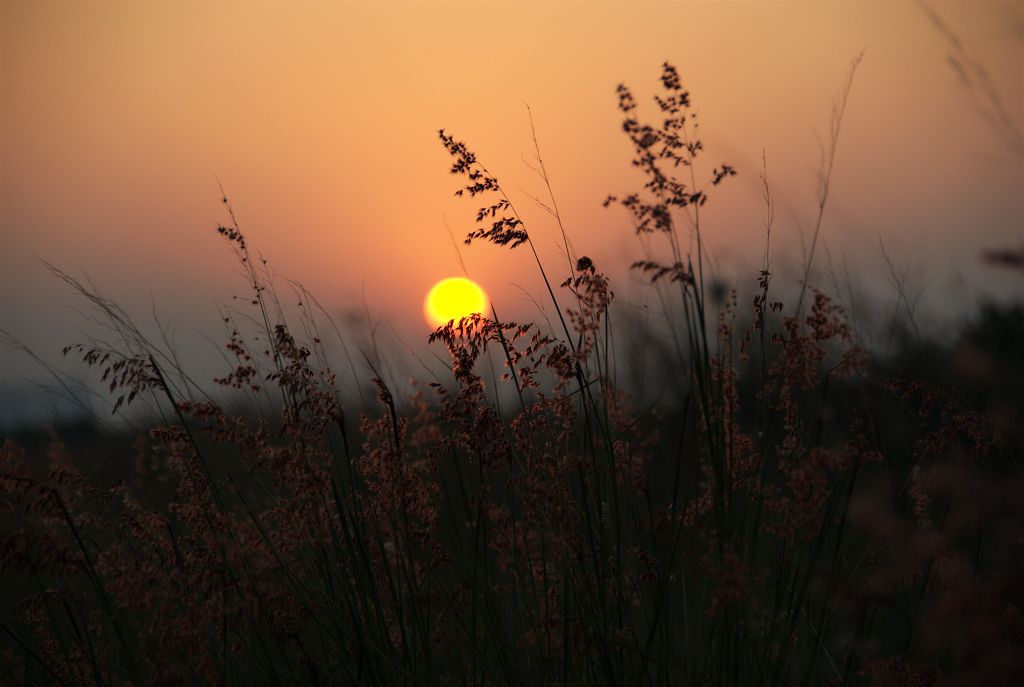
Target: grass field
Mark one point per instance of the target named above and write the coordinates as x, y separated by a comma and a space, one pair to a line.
795, 511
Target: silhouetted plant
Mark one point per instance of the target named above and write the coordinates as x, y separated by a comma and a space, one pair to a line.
797, 519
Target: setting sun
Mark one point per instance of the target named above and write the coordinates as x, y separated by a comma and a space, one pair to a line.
453, 299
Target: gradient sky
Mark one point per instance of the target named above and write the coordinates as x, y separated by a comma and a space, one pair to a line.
320, 120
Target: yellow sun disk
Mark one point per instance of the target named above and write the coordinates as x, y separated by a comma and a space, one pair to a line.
453, 299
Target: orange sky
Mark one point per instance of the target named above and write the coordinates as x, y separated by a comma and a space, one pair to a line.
116, 120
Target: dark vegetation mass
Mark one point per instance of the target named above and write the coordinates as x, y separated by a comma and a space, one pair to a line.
796, 512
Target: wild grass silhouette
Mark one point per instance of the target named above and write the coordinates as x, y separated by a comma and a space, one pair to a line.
805, 515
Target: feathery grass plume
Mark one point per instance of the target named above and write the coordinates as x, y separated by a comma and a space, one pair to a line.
798, 518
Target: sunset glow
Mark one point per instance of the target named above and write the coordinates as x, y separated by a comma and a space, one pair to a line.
749, 267
453, 299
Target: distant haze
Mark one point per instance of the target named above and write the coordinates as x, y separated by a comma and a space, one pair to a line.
320, 120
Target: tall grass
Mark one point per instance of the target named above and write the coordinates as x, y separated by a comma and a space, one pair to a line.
799, 518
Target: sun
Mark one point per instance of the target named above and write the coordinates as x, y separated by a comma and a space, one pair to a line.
453, 299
